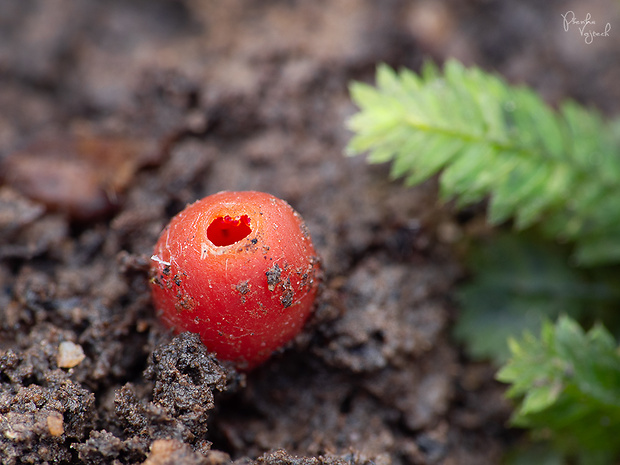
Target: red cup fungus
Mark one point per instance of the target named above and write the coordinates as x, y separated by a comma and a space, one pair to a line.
238, 268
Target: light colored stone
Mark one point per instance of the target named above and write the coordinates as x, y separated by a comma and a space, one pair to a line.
69, 354
55, 423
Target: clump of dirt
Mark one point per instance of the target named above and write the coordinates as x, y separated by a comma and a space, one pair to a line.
116, 115
42, 407
183, 377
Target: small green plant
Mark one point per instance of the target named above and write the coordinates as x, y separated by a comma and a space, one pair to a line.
569, 383
554, 173
489, 139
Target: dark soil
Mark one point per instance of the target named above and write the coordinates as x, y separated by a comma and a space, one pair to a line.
114, 115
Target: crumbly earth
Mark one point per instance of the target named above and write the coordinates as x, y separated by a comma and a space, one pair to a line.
114, 115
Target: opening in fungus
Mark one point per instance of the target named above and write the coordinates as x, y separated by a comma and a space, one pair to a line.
225, 230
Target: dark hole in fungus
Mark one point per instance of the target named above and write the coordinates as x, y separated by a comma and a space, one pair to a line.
225, 230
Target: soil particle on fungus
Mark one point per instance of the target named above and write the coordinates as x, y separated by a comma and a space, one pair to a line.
184, 303
273, 276
243, 287
287, 294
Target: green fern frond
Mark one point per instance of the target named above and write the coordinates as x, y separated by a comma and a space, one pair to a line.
490, 139
568, 382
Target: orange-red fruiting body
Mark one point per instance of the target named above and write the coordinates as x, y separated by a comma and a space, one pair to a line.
238, 268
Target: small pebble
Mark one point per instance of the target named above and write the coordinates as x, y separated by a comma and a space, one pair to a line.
69, 354
55, 423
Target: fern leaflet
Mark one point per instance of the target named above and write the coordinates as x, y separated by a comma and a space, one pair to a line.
568, 382
487, 138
